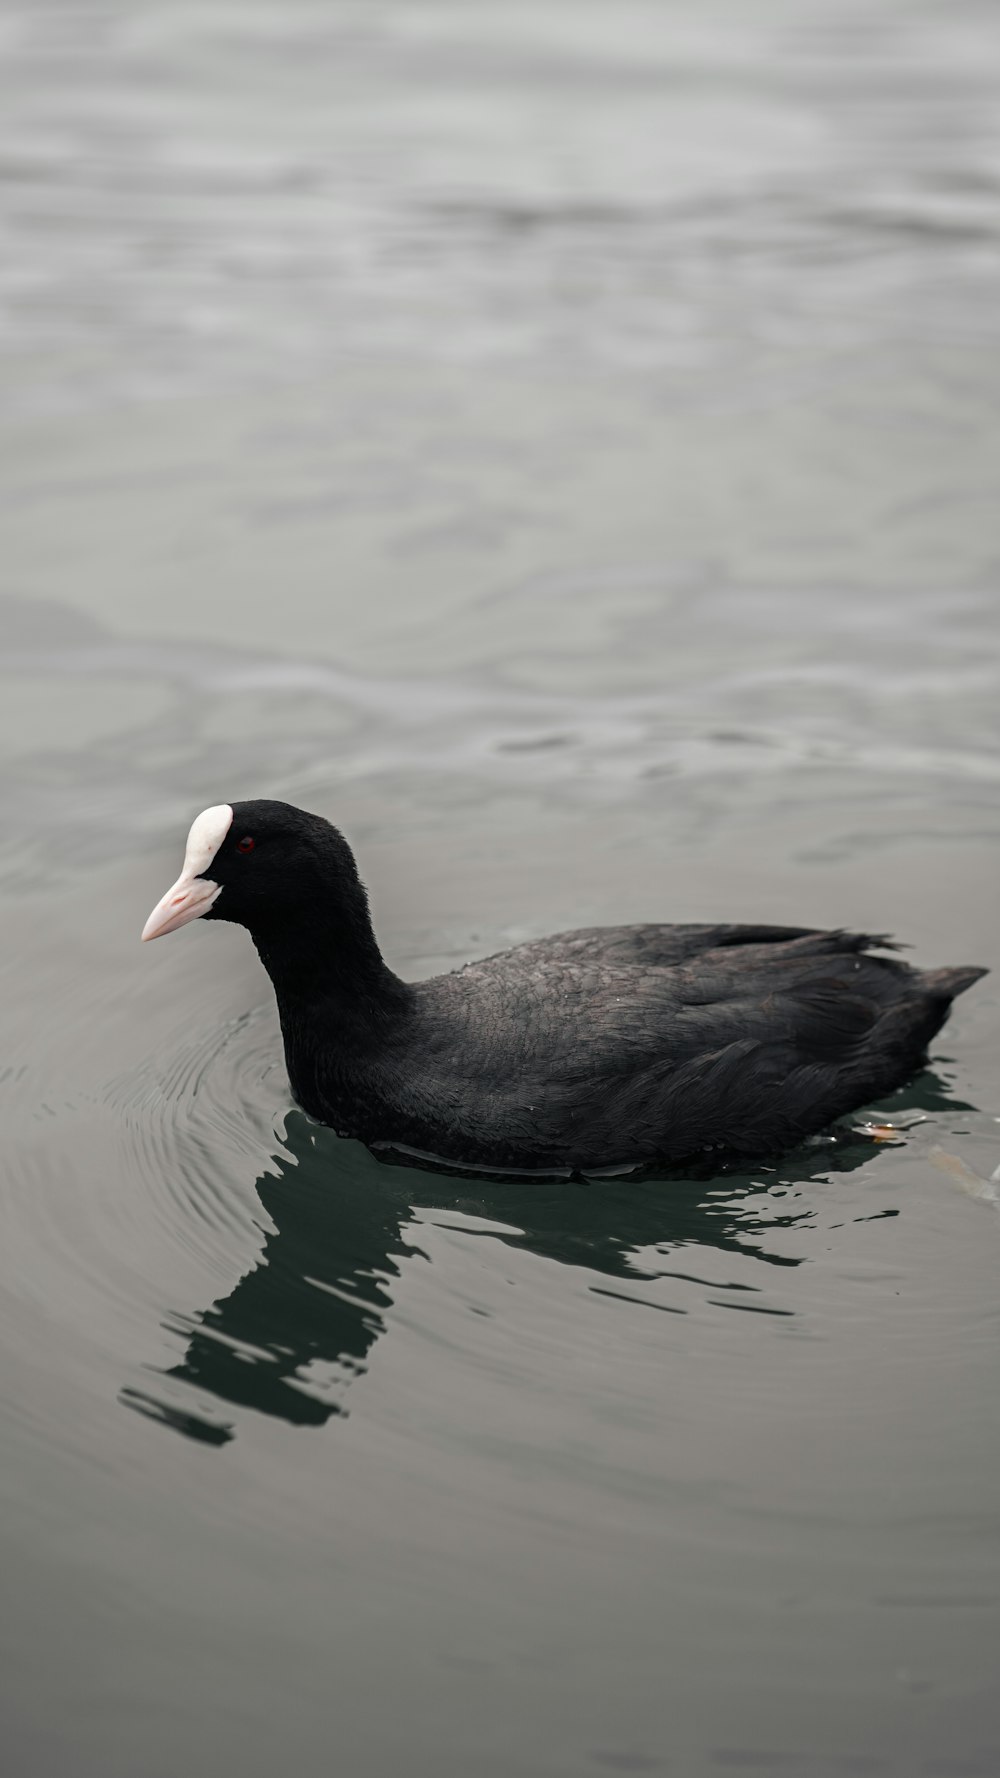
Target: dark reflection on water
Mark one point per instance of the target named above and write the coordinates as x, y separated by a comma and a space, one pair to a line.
323, 1283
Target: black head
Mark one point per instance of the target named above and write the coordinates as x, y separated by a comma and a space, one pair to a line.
265, 865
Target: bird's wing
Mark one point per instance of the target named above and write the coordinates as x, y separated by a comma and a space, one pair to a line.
746, 1045
653, 946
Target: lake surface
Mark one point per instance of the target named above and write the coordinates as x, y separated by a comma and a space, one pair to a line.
559, 443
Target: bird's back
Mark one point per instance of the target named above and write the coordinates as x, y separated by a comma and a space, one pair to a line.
656, 1042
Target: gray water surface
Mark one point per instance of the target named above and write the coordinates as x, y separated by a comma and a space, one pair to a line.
559, 444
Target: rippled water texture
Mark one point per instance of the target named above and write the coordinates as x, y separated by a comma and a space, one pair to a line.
559, 443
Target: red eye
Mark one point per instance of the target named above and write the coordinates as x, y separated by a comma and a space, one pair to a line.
245, 844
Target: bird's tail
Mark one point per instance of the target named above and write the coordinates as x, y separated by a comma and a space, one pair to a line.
949, 982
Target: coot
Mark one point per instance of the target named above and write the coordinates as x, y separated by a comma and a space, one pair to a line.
606, 1046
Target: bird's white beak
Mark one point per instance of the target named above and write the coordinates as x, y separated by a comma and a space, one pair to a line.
192, 894
187, 900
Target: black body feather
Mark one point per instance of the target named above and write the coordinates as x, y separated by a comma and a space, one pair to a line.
611, 1045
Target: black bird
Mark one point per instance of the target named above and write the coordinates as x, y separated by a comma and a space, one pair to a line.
605, 1047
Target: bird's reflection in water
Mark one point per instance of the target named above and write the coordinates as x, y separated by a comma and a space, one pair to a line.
314, 1303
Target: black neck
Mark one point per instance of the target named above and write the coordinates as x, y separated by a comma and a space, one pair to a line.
328, 972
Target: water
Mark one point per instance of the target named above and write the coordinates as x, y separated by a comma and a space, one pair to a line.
559, 443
